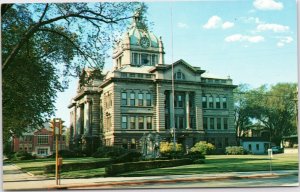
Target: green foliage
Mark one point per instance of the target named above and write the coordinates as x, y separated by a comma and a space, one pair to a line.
194, 155
167, 150
272, 107
203, 148
128, 157
22, 155
77, 166
234, 150
109, 151
115, 169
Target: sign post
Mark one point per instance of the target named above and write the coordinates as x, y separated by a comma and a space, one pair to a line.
56, 125
270, 153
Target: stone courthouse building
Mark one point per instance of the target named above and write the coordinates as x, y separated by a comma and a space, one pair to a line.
136, 98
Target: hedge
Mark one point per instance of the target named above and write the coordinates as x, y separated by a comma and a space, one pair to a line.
77, 166
235, 150
115, 169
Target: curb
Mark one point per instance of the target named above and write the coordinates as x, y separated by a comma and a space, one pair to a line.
135, 183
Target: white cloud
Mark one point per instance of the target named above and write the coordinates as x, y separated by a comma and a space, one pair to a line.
227, 25
216, 22
213, 22
284, 40
182, 25
240, 38
267, 5
272, 27
255, 20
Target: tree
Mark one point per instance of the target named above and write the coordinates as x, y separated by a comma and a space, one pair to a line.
41, 43
273, 107
242, 118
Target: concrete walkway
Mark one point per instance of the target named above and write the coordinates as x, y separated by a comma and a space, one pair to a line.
15, 179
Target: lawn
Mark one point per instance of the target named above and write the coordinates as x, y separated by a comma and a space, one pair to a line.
213, 164
36, 167
227, 163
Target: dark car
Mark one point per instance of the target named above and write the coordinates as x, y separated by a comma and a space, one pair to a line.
277, 149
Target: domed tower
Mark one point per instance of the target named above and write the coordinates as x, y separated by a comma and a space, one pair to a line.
138, 47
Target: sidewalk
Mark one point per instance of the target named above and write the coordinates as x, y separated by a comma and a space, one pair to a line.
14, 179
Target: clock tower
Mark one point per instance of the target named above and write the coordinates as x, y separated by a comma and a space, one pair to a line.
138, 46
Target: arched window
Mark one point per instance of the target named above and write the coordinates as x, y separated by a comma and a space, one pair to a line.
179, 76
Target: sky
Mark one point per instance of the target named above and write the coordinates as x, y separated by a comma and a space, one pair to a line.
252, 41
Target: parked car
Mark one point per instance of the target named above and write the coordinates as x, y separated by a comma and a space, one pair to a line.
277, 149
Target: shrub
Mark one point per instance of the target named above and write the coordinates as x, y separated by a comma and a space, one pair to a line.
167, 150
235, 150
115, 169
77, 166
69, 153
199, 161
194, 155
128, 157
109, 151
22, 155
203, 148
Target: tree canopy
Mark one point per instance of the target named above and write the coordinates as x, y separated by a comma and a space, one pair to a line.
271, 107
41, 43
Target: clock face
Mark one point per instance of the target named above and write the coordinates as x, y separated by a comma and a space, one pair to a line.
145, 43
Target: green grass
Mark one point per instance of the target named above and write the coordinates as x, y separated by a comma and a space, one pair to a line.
224, 163
213, 164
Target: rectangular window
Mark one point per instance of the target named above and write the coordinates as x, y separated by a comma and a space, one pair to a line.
132, 75
140, 99
210, 102
124, 143
124, 99
42, 151
132, 122
257, 147
224, 102
250, 147
212, 123
140, 75
218, 123
204, 102
204, 122
43, 139
124, 122
148, 99
154, 60
149, 122
181, 122
218, 103
135, 59
148, 76
133, 144
108, 122
141, 122
123, 74
132, 99
145, 59
226, 142
225, 123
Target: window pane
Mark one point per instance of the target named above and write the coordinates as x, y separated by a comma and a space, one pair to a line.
148, 98
149, 122
204, 102
224, 102
124, 98
132, 122
141, 122
145, 59
124, 122
132, 99
218, 123
212, 123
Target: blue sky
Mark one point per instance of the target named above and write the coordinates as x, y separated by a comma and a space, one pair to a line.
252, 41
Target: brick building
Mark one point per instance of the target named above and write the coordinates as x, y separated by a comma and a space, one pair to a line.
39, 142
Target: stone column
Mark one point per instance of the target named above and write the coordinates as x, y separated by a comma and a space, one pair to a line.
172, 125
86, 116
187, 107
160, 108
198, 110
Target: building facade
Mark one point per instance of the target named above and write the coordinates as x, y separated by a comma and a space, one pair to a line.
40, 142
139, 97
